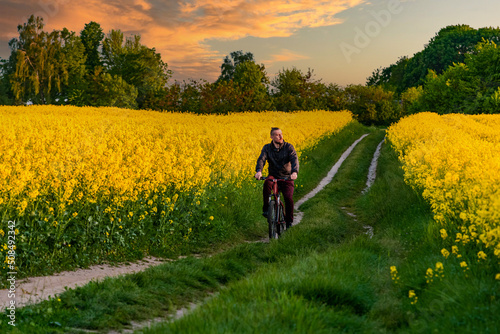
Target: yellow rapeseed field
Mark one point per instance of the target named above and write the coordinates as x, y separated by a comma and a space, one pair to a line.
81, 154
61, 165
455, 161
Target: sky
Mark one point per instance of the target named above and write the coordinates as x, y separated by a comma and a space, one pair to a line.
342, 41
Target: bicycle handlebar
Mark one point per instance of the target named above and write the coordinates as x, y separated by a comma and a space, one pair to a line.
263, 178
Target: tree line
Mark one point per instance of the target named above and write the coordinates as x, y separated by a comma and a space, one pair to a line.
458, 71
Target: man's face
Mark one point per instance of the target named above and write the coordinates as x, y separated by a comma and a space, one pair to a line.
277, 137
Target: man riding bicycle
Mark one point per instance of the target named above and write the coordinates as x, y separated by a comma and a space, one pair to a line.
283, 164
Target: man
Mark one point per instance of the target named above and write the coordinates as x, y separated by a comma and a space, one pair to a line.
283, 163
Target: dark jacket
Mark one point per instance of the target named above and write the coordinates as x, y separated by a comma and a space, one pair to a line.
283, 161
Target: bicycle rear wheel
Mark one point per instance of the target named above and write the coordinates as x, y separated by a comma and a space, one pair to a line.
272, 219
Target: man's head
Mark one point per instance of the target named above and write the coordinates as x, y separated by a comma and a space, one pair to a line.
277, 136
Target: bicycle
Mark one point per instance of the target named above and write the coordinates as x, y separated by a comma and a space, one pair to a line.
276, 211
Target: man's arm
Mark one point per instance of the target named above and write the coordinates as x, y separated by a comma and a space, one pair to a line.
261, 161
294, 160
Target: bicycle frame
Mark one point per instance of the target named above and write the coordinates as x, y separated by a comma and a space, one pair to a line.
276, 213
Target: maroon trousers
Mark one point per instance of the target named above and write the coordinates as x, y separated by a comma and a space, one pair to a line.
286, 188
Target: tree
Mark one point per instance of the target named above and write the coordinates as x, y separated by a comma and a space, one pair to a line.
229, 65
137, 64
72, 55
250, 80
372, 104
105, 89
449, 46
471, 87
6, 97
391, 77
34, 61
298, 91
92, 37
242, 76
411, 100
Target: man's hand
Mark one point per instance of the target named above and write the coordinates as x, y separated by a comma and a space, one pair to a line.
293, 176
258, 175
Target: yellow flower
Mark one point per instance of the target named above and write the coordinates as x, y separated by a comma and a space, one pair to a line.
138, 161
211, 217
394, 274
454, 160
444, 235
120, 227
463, 264
429, 274
413, 296
439, 266
2, 233
497, 277
445, 253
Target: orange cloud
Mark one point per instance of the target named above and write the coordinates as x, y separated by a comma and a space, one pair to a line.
285, 56
178, 29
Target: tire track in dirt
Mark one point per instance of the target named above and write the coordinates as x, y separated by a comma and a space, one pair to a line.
372, 175
326, 180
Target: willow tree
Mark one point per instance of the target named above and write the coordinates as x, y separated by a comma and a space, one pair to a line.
37, 70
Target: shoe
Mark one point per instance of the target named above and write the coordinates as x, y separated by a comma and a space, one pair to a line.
288, 225
264, 214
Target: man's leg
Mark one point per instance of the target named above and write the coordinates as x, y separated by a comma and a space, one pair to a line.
287, 190
268, 188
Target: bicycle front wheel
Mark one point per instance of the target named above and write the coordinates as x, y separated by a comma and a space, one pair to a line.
272, 220
281, 218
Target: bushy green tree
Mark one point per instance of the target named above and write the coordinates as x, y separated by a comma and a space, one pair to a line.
372, 104
450, 45
411, 100
72, 56
105, 89
230, 63
91, 37
138, 65
299, 91
249, 80
470, 87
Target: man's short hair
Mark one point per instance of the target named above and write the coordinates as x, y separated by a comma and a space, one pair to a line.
274, 129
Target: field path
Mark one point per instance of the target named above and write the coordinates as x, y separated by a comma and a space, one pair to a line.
35, 289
